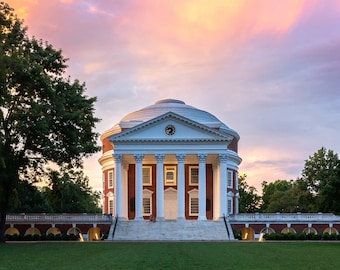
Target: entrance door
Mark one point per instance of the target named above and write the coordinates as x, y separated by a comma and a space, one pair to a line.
170, 204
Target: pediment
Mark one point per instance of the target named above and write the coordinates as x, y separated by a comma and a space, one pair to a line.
170, 127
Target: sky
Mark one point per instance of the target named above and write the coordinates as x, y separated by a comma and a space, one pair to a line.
269, 69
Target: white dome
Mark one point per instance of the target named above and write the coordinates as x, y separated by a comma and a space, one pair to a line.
176, 106
172, 105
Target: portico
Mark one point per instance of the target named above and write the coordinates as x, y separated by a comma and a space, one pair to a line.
170, 166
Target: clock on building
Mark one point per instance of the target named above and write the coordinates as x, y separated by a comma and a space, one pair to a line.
170, 130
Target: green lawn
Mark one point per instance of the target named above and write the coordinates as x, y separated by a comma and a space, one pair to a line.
170, 255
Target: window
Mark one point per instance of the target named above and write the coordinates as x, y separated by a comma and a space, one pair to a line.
230, 206
146, 206
193, 175
193, 202
147, 175
170, 176
110, 177
111, 206
193, 206
230, 178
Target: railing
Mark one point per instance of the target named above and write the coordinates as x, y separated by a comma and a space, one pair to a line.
60, 218
288, 217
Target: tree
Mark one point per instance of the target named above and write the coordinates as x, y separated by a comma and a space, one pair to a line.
27, 198
321, 174
286, 197
69, 192
44, 117
249, 200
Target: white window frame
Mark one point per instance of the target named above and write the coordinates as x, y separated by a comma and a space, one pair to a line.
111, 204
230, 206
147, 195
145, 202
191, 183
170, 182
193, 194
229, 178
147, 179
110, 179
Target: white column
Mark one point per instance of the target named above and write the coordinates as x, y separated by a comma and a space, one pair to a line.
223, 184
160, 186
181, 187
202, 190
125, 167
139, 187
118, 190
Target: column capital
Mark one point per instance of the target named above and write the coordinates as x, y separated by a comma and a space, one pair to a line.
159, 158
223, 157
201, 157
180, 158
117, 157
139, 158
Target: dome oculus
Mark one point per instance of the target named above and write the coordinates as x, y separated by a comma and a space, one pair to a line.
170, 130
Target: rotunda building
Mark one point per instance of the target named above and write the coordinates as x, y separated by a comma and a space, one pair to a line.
170, 161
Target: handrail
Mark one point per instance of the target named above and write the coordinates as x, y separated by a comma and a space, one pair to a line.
225, 223
114, 227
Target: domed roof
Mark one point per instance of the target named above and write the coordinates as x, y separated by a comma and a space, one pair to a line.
176, 106
171, 105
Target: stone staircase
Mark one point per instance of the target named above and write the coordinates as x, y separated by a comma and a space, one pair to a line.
171, 230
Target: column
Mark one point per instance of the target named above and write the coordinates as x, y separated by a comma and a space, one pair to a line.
139, 187
202, 190
223, 184
160, 186
181, 187
118, 189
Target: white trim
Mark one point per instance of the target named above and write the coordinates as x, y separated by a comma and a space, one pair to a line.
193, 195
229, 178
147, 196
170, 175
110, 179
147, 179
190, 175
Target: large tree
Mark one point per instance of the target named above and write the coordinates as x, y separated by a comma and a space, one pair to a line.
44, 117
321, 174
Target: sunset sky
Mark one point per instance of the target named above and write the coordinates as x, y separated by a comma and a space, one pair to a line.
268, 69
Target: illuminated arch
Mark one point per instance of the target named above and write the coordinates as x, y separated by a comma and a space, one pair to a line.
93, 234
248, 233
74, 231
12, 231
267, 230
288, 230
309, 230
32, 231
54, 231
331, 230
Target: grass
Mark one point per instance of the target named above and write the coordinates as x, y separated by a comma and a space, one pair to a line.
170, 255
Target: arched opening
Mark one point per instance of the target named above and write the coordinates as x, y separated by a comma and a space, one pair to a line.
288, 230
267, 230
93, 234
54, 231
32, 231
74, 231
309, 230
248, 233
331, 230
12, 231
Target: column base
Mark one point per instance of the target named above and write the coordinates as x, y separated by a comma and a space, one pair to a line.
180, 218
202, 218
139, 219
